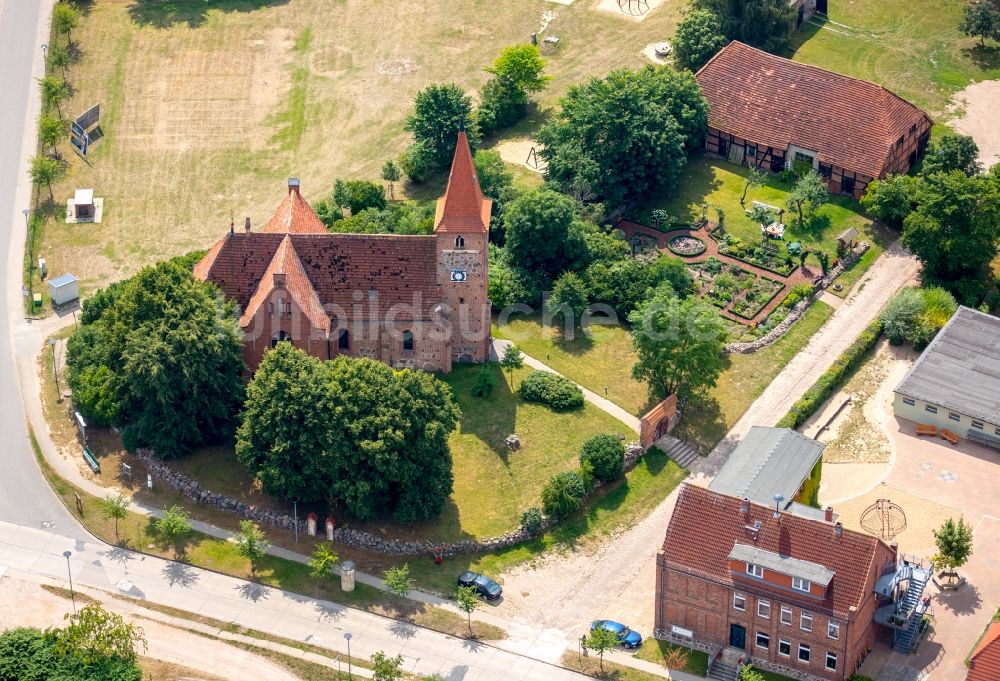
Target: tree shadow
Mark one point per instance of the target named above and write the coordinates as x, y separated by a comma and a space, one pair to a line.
253, 591
963, 601
703, 421
121, 554
176, 572
491, 419
986, 57
472, 645
330, 612
193, 13
403, 630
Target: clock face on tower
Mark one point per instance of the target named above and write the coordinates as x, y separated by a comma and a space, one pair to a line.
459, 275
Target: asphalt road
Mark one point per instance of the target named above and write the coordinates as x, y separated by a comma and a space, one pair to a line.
25, 497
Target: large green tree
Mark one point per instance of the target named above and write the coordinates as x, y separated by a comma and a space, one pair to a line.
808, 194
357, 195
47, 170
954, 544
569, 299
543, 234
981, 20
350, 431
440, 111
766, 24
890, 199
28, 654
625, 135
517, 72
953, 152
679, 344
699, 36
160, 355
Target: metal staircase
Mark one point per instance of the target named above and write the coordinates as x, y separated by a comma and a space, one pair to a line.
902, 585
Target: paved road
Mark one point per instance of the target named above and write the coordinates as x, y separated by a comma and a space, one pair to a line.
24, 495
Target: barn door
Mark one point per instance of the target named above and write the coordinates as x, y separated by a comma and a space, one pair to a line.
821, 6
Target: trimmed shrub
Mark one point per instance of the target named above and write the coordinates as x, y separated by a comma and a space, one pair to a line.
563, 494
606, 454
558, 392
832, 377
531, 520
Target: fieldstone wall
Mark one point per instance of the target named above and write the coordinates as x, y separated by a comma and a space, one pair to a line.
194, 490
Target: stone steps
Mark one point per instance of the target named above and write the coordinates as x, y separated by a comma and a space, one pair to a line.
683, 453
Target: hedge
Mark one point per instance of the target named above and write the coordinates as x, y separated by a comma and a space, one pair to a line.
832, 378
556, 391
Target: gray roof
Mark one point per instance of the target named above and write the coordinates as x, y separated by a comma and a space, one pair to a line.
849, 233
960, 369
62, 281
810, 512
769, 461
786, 565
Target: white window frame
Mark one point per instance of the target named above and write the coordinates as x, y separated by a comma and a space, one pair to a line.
785, 610
739, 601
803, 619
978, 425
909, 401
808, 650
831, 656
800, 584
764, 609
930, 409
784, 642
767, 641
953, 416
755, 570
833, 630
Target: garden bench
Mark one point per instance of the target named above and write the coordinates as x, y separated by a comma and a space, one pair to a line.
949, 436
923, 429
88, 456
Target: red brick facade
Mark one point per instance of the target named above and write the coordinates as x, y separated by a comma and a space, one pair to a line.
408, 300
700, 589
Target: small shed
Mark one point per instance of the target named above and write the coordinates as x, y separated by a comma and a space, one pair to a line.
63, 289
83, 204
846, 240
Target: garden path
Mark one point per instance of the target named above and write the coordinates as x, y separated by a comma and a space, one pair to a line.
800, 275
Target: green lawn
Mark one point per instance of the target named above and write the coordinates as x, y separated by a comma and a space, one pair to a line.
850, 277
656, 651
915, 50
720, 183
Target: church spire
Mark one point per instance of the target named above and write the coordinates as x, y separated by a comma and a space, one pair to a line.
463, 208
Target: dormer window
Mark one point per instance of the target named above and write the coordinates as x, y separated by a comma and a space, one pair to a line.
800, 584
755, 571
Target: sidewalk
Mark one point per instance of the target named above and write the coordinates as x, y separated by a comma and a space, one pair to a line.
30, 552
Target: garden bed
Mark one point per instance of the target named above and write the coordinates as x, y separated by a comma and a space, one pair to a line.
733, 288
766, 255
686, 246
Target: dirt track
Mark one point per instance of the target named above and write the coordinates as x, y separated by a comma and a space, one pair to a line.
980, 102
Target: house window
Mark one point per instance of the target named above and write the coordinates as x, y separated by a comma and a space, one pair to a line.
804, 653
833, 630
282, 336
784, 648
831, 661
806, 622
372, 294
826, 170
751, 151
270, 309
800, 584
899, 142
953, 416
288, 309
930, 409
847, 185
764, 609
997, 430
978, 425
786, 615
913, 128
739, 601
763, 640
460, 242
803, 158
408, 341
909, 401
344, 342
755, 570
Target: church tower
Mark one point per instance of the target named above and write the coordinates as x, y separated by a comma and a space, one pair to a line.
462, 227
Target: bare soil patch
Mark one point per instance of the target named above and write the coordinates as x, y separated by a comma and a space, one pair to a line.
636, 10
979, 104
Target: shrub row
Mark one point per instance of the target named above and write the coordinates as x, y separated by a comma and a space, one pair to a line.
558, 392
832, 377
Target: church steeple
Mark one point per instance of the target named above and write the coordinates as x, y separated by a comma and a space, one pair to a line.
463, 207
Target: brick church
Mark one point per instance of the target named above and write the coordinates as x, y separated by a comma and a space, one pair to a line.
413, 301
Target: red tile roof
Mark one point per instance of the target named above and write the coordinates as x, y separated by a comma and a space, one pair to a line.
984, 664
286, 266
463, 208
295, 216
706, 525
775, 102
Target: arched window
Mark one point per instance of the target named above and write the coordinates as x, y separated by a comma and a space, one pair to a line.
408, 340
344, 343
460, 242
282, 336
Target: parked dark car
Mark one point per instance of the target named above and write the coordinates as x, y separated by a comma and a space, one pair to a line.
483, 585
626, 636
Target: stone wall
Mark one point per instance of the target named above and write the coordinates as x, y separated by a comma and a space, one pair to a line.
193, 490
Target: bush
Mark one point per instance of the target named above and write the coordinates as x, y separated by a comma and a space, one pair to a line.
606, 454
832, 377
563, 494
485, 382
558, 392
531, 520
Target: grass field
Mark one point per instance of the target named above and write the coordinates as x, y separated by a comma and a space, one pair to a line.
914, 50
653, 650
208, 107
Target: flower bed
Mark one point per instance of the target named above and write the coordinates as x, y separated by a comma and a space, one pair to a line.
686, 246
767, 256
756, 297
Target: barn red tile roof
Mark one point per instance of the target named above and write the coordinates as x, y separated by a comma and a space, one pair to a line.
706, 525
774, 102
984, 664
463, 208
294, 215
287, 267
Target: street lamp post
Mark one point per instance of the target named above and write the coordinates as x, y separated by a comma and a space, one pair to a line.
347, 635
295, 505
45, 51
72, 595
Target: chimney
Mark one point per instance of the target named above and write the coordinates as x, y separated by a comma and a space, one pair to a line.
828, 514
246, 225
745, 505
293, 185
838, 530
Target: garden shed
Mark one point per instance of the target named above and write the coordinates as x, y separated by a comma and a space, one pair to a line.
63, 289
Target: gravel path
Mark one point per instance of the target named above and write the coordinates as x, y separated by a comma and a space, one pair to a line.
978, 104
562, 593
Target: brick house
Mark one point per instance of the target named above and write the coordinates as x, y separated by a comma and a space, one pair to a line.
770, 111
793, 594
984, 662
416, 301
